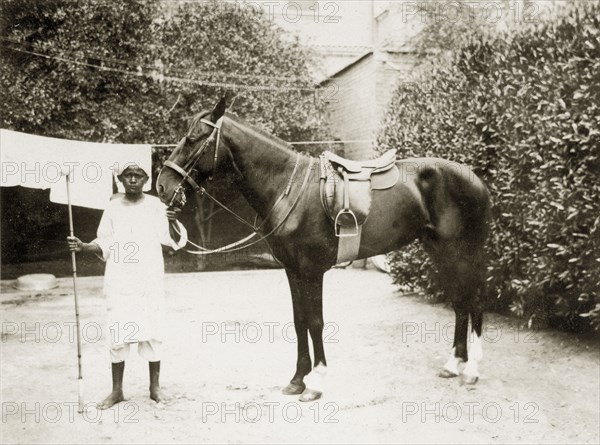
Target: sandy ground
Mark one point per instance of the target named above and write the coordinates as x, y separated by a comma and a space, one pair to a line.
231, 349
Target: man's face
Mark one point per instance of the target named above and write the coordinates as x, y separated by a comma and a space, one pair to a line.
133, 179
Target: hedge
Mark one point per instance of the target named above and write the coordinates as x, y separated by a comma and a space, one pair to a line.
523, 111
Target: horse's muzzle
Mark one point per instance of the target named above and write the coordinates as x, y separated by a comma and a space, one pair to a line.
178, 200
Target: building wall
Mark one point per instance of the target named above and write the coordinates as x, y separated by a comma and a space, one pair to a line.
351, 109
338, 31
365, 88
362, 95
393, 69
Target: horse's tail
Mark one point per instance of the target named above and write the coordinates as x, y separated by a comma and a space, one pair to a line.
457, 201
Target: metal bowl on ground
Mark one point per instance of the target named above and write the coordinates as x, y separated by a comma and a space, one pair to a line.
36, 282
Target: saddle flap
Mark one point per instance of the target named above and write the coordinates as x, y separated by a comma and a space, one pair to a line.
360, 202
385, 179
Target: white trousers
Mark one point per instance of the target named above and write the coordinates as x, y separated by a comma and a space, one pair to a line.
149, 350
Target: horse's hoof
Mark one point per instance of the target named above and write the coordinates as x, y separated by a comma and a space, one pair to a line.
309, 395
293, 389
471, 379
445, 374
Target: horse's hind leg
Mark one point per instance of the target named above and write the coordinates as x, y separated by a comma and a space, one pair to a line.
471, 371
476, 288
462, 274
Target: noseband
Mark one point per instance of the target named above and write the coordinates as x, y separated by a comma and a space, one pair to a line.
186, 171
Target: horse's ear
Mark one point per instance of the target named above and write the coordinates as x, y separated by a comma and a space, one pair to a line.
219, 110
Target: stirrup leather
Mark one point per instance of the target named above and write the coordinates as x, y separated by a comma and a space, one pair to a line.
346, 230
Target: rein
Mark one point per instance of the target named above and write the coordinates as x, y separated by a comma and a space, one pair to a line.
239, 245
188, 168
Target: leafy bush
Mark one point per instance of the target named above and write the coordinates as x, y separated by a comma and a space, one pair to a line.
524, 111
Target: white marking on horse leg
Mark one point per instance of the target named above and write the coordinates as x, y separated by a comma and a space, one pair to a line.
315, 380
452, 363
471, 370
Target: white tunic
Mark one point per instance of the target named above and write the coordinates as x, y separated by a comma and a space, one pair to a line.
130, 235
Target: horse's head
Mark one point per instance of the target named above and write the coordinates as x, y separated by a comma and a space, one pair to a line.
196, 158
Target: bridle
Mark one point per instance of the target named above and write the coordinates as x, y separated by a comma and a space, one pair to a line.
189, 167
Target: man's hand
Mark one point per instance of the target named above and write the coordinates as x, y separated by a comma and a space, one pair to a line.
75, 244
172, 213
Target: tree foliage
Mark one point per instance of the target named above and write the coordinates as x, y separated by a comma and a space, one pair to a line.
59, 69
238, 51
134, 71
523, 110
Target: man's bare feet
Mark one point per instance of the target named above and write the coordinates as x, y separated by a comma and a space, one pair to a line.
112, 399
157, 395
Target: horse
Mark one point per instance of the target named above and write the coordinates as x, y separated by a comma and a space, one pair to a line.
441, 203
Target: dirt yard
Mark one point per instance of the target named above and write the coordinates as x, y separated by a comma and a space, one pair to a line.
231, 349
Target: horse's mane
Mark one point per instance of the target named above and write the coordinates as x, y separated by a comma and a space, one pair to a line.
280, 143
274, 140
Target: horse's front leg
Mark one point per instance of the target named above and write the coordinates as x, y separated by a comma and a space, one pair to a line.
307, 299
312, 290
303, 364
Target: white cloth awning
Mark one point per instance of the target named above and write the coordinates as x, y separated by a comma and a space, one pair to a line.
42, 162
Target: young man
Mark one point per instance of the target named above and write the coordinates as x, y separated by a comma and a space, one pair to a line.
129, 238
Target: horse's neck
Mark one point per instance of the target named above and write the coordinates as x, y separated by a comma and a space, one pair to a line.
265, 166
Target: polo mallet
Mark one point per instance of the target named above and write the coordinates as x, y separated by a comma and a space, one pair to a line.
80, 378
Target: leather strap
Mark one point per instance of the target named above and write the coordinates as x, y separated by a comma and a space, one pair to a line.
217, 126
322, 186
184, 174
344, 174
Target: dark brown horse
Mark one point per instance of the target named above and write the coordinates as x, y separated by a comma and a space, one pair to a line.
441, 203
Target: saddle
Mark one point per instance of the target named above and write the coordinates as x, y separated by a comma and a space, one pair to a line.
346, 188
